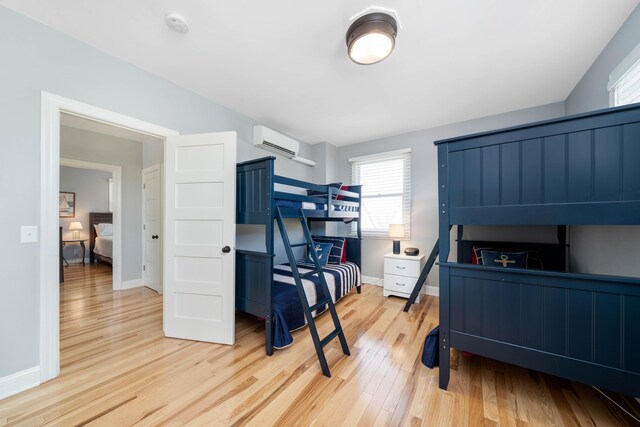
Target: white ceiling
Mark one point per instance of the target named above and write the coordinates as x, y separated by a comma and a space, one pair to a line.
284, 62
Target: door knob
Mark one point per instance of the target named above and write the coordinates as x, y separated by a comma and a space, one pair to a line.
155, 236
226, 249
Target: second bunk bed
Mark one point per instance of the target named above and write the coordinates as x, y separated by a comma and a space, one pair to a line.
268, 291
577, 170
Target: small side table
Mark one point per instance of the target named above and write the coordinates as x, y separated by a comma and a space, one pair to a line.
74, 242
401, 273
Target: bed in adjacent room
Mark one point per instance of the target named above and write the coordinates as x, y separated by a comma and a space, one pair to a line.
101, 241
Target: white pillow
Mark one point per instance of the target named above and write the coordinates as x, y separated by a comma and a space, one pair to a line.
104, 229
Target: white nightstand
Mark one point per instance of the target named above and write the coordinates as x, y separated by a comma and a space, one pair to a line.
401, 273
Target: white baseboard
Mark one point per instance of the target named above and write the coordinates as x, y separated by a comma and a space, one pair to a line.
377, 281
431, 290
130, 284
370, 280
20, 381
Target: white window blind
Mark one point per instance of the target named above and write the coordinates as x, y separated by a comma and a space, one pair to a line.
624, 80
386, 191
627, 89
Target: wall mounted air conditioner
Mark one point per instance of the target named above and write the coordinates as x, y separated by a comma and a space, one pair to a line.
278, 143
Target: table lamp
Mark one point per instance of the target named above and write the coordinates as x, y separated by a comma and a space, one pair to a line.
396, 231
75, 226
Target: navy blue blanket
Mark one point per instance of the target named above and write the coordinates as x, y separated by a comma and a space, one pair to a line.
287, 307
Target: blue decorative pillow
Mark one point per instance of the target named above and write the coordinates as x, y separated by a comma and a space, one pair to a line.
335, 256
505, 259
322, 252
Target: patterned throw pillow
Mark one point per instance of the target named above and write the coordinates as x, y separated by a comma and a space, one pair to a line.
337, 251
505, 259
476, 254
322, 252
534, 261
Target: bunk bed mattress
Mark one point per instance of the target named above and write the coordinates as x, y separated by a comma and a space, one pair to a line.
287, 308
313, 206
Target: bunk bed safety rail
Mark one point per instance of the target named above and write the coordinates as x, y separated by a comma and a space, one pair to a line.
567, 171
291, 182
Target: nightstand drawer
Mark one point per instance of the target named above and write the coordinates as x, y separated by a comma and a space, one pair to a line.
399, 283
401, 267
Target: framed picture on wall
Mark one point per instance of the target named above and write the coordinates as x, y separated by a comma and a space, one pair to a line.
67, 204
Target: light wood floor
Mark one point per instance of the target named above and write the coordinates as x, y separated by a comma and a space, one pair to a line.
119, 370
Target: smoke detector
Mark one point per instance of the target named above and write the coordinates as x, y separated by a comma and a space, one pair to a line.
176, 22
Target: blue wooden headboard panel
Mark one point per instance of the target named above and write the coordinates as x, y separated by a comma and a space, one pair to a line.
583, 170
254, 189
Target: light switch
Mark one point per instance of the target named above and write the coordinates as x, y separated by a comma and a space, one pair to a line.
29, 234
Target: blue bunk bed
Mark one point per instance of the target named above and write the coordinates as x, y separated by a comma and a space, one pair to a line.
260, 194
582, 169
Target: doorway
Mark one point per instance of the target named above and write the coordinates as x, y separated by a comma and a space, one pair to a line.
53, 107
199, 222
92, 194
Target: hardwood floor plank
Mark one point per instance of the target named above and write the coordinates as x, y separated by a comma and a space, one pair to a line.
119, 370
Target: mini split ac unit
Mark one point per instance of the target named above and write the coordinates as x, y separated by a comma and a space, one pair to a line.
278, 143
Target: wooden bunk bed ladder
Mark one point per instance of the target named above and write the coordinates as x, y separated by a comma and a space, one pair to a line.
322, 301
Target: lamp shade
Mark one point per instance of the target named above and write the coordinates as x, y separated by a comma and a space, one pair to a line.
76, 225
396, 230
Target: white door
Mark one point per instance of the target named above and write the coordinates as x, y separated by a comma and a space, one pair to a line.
199, 237
151, 229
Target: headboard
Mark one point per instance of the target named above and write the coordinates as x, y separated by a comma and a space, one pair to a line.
97, 218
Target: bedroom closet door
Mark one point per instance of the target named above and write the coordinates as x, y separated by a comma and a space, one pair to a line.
151, 232
199, 257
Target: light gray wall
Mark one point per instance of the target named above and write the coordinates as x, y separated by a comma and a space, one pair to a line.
152, 152
591, 91
35, 59
92, 195
605, 249
424, 209
93, 147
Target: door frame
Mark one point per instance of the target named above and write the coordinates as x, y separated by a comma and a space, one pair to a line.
160, 168
116, 174
52, 106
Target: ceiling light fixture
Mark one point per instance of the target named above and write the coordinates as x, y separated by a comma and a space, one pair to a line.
176, 22
371, 38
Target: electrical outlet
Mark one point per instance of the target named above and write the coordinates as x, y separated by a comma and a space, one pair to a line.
76, 252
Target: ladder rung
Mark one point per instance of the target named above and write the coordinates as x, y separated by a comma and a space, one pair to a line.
326, 340
307, 274
319, 304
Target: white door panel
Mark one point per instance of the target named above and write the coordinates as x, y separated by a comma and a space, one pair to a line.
199, 279
152, 236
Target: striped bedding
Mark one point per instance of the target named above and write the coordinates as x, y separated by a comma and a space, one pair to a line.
287, 308
313, 206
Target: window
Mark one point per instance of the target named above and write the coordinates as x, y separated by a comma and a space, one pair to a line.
624, 81
386, 191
